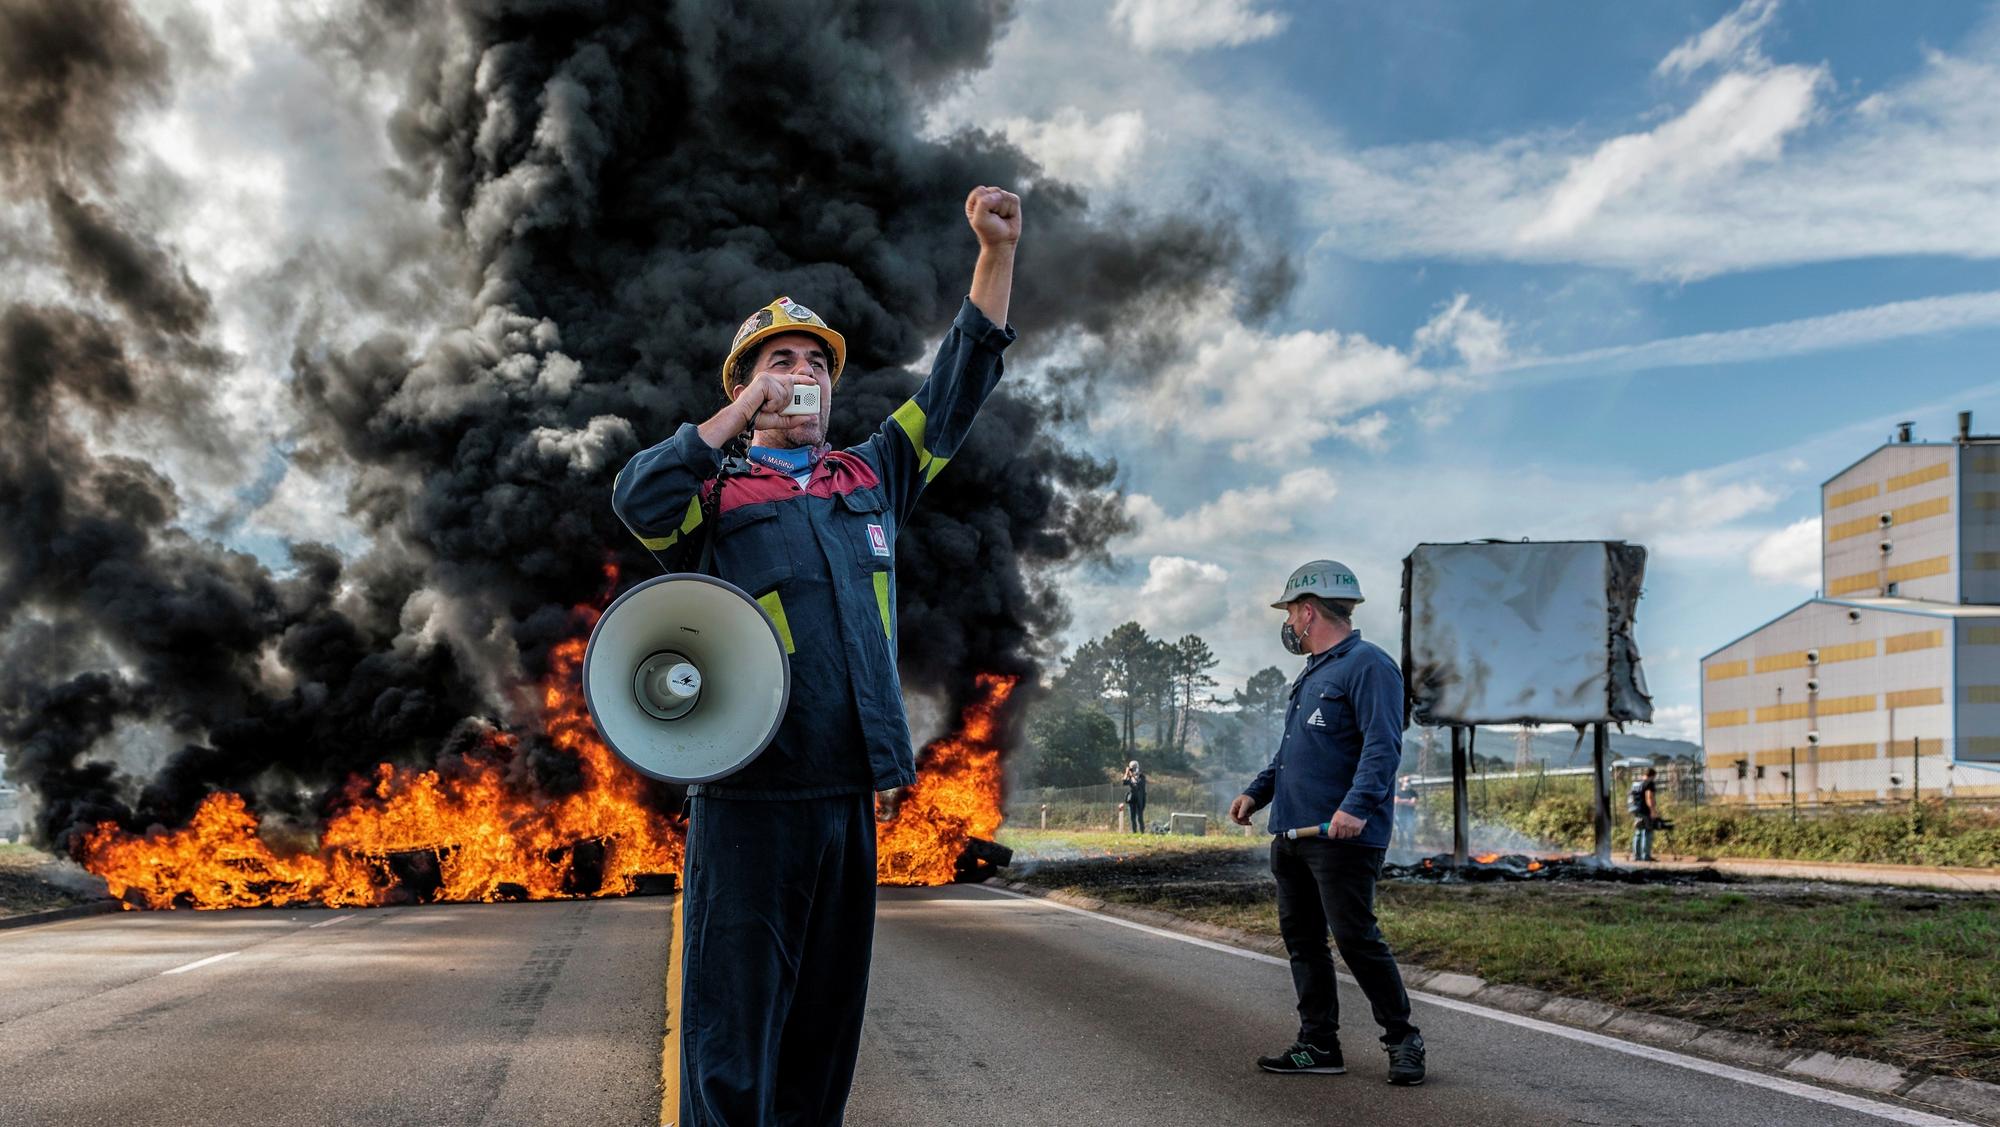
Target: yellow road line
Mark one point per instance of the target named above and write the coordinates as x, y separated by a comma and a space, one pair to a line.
670, 1043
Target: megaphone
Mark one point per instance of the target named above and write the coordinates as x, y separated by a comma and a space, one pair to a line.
686, 678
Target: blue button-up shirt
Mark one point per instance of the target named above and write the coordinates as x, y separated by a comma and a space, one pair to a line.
1343, 741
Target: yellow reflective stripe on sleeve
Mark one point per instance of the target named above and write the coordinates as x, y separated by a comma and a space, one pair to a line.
937, 466
688, 524
882, 600
776, 609
911, 418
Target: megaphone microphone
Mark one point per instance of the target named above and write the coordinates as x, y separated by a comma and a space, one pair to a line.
686, 678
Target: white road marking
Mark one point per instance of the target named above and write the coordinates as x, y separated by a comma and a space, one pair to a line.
1876, 1108
201, 963
329, 923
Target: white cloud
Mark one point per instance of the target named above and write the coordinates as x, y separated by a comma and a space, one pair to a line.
1182, 596
1732, 39
1673, 722
1093, 152
1849, 328
1757, 165
1741, 118
1756, 173
1479, 339
1248, 515
1193, 25
1790, 555
1260, 391
1693, 515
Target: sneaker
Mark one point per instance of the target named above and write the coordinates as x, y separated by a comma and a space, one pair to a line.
1305, 1058
1406, 1060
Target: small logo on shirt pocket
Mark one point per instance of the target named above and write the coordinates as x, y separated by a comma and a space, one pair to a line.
878, 540
1316, 720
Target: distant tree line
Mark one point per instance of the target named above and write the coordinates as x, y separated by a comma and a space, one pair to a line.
1129, 695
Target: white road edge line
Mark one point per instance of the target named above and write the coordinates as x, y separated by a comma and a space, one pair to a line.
201, 963
1862, 1104
329, 923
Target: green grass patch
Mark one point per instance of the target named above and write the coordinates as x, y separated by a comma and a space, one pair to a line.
1908, 978
1072, 844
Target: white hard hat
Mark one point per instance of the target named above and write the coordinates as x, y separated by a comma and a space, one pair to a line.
1329, 579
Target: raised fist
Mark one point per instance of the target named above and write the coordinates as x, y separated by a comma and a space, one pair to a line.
994, 215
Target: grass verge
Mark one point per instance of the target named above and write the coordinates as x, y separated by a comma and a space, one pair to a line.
23, 889
1907, 978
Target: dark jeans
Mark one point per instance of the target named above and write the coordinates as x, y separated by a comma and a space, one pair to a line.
1138, 813
780, 926
1330, 886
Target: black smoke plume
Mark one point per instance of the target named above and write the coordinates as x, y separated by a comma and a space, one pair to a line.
627, 182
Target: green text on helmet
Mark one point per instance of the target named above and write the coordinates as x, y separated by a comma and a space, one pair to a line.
1329, 579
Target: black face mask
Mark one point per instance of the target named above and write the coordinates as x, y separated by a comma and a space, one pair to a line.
1290, 637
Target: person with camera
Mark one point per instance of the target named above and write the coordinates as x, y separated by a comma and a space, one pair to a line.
1328, 789
1135, 796
779, 900
1642, 800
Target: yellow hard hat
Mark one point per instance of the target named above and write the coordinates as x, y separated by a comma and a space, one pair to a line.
783, 316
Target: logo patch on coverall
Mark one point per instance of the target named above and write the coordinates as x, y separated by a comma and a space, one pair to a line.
878, 540
1316, 720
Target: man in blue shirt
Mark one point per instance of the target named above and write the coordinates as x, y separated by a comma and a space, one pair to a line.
1328, 789
779, 903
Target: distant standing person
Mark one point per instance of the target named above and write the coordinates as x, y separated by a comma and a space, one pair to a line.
1643, 801
1406, 812
1135, 795
1332, 772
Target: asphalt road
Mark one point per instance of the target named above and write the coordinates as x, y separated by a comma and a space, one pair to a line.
984, 1009
439, 1015
996, 1010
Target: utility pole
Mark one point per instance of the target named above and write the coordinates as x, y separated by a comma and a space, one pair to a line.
1916, 784
1461, 814
1601, 817
1795, 784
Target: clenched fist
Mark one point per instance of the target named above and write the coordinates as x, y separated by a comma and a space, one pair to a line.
994, 215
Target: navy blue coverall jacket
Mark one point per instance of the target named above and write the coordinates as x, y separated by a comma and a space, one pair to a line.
779, 901
821, 559
1343, 741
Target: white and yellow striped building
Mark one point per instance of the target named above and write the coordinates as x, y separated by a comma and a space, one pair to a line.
1892, 678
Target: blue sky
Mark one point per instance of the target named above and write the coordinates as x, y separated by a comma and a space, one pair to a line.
1569, 270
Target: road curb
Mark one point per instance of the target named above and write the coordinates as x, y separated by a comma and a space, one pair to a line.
55, 915
1973, 1098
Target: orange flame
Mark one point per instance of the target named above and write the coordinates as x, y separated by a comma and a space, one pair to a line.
1487, 858
956, 796
1534, 866
481, 834
488, 835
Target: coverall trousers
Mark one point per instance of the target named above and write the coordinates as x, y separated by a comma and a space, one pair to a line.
779, 925
1329, 885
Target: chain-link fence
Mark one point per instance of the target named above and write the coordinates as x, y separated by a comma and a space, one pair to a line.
1102, 807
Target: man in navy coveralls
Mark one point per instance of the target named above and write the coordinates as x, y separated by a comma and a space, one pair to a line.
780, 883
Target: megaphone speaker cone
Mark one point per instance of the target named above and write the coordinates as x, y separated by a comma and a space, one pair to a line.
686, 678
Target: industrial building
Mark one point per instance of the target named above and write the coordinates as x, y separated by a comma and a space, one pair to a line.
1890, 681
